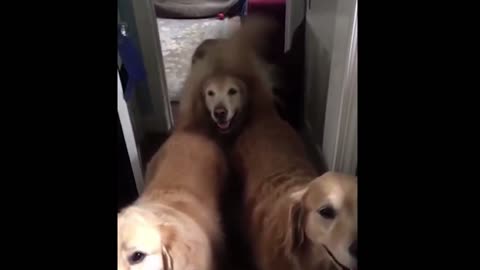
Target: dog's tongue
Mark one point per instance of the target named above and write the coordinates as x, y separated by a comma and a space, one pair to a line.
223, 125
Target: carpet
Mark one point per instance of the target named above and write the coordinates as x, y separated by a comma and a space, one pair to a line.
179, 38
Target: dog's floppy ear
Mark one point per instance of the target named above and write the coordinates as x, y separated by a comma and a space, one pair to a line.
295, 228
203, 49
243, 87
192, 111
298, 195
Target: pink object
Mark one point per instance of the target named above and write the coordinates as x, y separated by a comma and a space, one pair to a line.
267, 2
221, 16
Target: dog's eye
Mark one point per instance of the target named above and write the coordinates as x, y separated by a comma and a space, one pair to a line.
136, 257
210, 93
327, 212
232, 91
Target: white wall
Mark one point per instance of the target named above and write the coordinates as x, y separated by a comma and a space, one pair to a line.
295, 12
330, 98
319, 34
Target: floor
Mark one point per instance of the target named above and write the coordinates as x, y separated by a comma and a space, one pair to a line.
174, 105
180, 37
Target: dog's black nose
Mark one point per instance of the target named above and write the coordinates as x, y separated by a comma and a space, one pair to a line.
220, 113
353, 249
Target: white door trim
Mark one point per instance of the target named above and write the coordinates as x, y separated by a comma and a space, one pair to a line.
128, 134
149, 39
294, 14
340, 133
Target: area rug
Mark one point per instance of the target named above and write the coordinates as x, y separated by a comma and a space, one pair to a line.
180, 37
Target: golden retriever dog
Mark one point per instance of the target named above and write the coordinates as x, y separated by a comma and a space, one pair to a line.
296, 219
225, 98
215, 98
175, 223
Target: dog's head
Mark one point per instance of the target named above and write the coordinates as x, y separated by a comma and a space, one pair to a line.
324, 217
140, 243
225, 98
204, 47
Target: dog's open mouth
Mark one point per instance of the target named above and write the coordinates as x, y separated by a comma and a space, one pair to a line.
341, 266
225, 126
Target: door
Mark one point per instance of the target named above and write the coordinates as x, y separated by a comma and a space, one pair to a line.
331, 82
129, 140
126, 184
151, 98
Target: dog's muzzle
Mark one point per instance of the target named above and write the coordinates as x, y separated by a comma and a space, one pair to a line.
220, 113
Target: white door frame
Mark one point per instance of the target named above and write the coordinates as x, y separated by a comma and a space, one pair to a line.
128, 134
340, 130
294, 14
149, 40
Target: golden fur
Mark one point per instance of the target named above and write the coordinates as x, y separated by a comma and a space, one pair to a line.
225, 98
225, 59
176, 218
283, 194
272, 159
203, 48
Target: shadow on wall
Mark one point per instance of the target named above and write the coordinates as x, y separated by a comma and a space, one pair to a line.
293, 70
317, 84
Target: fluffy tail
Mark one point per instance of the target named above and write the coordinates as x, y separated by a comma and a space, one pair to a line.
256, 32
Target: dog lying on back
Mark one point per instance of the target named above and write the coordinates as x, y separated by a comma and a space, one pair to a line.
296, 220
175, 223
